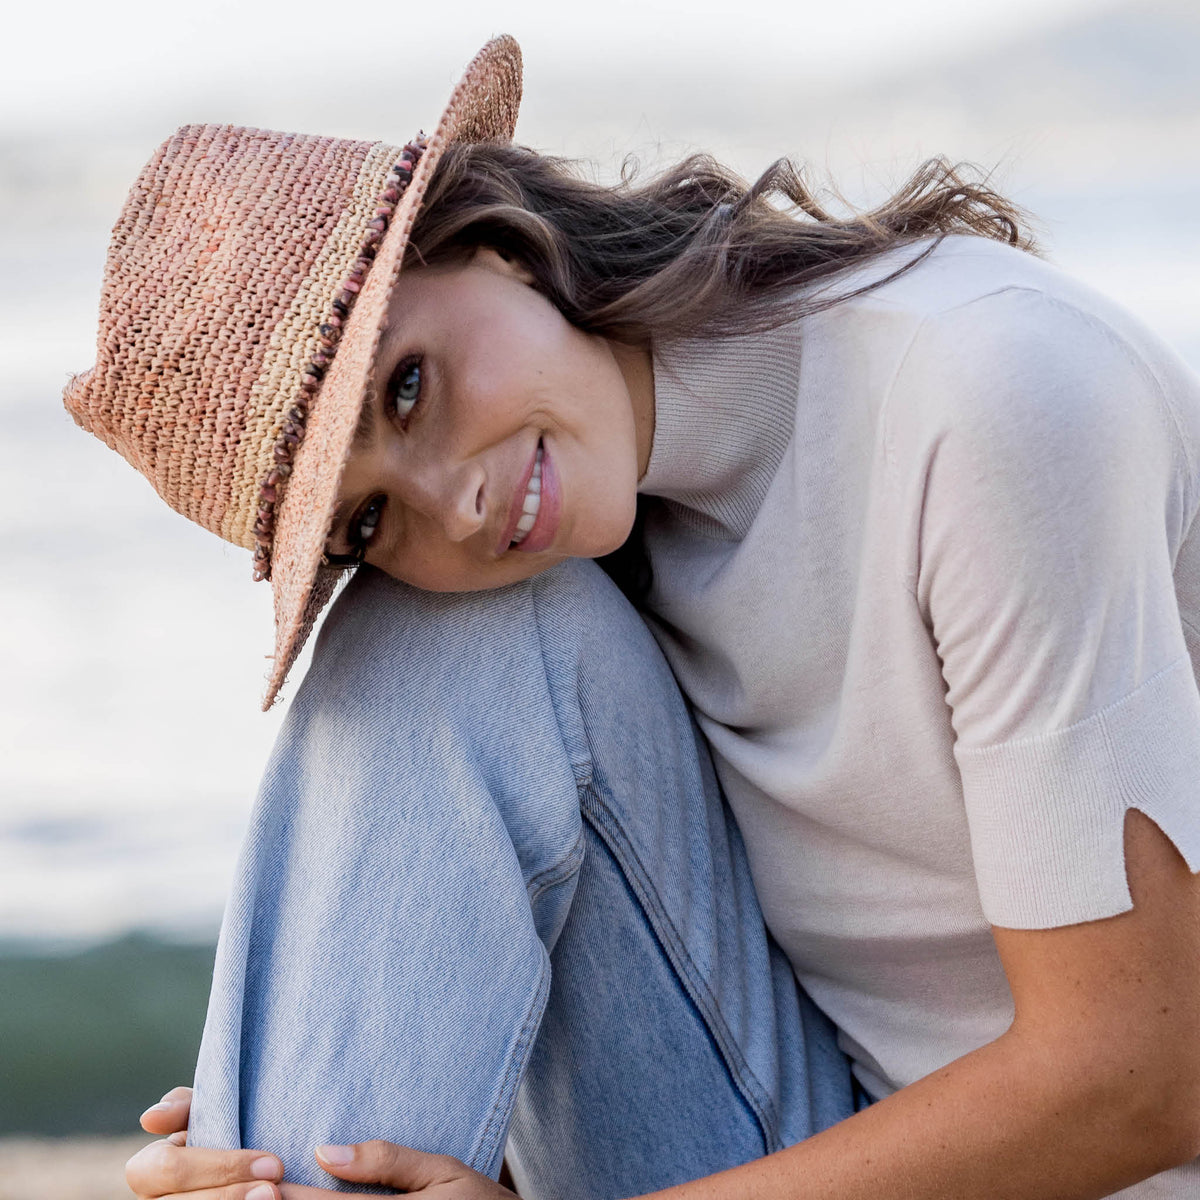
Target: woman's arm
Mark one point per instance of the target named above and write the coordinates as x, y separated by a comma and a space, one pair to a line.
1095, 1086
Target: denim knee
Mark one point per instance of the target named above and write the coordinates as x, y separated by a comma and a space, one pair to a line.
411, 857
559, 665
414, 855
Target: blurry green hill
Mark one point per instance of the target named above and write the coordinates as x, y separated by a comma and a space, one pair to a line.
88, 1040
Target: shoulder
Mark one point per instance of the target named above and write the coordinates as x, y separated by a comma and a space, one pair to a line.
996, 297
935, 276
944, 310
993, 343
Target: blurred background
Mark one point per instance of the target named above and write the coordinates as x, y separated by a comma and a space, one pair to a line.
132, 645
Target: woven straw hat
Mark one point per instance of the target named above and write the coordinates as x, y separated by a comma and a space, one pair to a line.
244, 296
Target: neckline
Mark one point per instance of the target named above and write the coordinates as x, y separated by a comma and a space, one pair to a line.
724, 415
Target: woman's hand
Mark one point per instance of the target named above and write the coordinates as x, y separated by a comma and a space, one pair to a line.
433, 1176
170, 1167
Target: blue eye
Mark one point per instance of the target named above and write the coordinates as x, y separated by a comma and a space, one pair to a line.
363, 527
404, 390
360, 530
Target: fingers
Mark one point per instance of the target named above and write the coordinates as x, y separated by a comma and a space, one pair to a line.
166, 1167
385, 1162
170, 1114
241, 1191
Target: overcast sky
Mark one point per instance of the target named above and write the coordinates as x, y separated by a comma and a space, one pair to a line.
89, 62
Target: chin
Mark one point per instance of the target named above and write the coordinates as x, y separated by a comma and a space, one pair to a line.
611, 536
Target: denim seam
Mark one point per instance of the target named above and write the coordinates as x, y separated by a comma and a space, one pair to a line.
537, 886
501, 1111
583, 770
557, 872
600, 817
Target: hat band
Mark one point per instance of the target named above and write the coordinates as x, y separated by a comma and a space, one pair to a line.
291, 435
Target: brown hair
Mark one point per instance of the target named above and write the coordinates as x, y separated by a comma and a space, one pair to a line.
693, 252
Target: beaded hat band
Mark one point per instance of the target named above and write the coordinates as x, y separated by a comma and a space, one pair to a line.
245, 293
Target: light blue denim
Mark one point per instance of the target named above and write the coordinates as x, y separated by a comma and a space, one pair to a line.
491, 891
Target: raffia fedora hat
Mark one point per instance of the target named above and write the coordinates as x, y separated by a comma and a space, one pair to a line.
244, 295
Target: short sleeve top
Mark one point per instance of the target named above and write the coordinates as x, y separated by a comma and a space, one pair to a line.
1058, 482
925, 566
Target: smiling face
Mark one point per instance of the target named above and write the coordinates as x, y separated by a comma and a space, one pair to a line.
499, 440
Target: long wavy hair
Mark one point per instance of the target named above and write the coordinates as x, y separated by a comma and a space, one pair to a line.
695, 251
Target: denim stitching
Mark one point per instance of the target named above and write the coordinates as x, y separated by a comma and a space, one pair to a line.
498, 1117
537, 885
557, 872
582, 771
601, 819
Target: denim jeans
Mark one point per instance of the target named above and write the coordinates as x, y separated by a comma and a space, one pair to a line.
491, 894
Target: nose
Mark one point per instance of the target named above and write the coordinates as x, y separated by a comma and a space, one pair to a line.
450, 497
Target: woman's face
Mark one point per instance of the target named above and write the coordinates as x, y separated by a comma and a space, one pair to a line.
499, 439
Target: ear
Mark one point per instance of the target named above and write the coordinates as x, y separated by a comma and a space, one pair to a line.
501, 261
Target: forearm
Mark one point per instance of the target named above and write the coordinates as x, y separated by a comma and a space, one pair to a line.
1010, 1121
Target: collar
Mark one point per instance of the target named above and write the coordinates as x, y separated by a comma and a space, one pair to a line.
724, 413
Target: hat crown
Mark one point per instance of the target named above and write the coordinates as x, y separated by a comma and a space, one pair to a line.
223, 265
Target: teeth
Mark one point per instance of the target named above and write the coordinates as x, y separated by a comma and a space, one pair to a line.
532, 502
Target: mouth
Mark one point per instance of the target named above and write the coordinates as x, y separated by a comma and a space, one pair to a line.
534, 517
532, 502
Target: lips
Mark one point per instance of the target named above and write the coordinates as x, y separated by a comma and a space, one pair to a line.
541, 535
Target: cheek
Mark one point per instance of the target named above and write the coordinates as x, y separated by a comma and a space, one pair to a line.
508, 365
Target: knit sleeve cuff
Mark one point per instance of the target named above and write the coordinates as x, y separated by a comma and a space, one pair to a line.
1047, 813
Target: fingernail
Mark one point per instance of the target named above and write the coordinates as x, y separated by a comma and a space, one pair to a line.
167, 1101
338, 1155
159, 1107
261, 1191
265, 1168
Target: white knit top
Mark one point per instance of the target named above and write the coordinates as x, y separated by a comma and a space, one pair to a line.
923, 567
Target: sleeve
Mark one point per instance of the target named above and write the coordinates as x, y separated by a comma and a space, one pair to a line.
1053, 493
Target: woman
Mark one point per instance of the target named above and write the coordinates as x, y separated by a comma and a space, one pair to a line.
910, 518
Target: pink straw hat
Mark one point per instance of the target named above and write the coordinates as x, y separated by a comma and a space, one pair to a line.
244, 296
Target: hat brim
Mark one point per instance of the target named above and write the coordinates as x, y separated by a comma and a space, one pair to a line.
482, 107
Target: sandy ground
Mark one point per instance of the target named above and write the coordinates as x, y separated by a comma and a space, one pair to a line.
85, 1168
